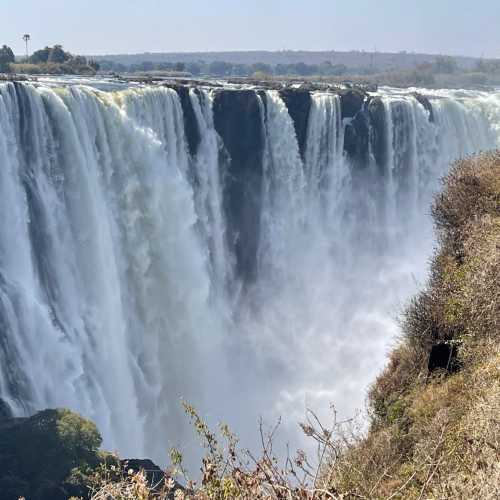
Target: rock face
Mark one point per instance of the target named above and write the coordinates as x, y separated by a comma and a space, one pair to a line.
356, 139
426, 103
191, 128
5, 411
238, 121
298, 102
154, 475
351, 102
378, 131
357, 127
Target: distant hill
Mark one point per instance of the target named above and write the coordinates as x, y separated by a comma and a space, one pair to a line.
351, 59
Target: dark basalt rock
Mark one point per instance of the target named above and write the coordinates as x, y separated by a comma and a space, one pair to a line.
357, 126
191, 128
5, 411
378, 131
238, 121
154, 475
356, 139
298, 102
351, 102
426, 103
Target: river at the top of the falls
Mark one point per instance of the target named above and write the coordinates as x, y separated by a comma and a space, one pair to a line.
245, 250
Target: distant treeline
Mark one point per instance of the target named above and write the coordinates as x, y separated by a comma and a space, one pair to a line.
226, 69
422, 73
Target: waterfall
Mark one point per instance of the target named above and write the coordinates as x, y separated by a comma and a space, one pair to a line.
210, 246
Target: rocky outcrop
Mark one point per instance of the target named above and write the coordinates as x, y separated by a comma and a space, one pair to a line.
5, 411
426, 103
238, 121
378, 131
298, 102
356, 139
351, 102
357, 126
191, 128
155, 476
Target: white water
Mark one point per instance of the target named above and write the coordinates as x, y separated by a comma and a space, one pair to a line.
118, 293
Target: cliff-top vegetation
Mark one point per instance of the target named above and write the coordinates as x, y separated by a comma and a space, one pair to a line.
48, 61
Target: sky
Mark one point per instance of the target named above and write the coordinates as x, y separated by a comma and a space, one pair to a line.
457, 27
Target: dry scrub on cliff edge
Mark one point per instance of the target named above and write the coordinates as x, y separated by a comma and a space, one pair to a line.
435, 429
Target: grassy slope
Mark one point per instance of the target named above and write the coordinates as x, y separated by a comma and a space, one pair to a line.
437, 435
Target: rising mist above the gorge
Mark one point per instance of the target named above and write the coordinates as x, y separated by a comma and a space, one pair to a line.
243, 249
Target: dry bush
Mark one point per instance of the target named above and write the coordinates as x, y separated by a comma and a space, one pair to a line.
229, 472
472, 189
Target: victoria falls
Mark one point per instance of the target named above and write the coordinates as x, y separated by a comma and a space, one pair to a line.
155, 246
249, 251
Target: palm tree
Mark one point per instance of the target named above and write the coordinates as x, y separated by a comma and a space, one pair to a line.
27, 38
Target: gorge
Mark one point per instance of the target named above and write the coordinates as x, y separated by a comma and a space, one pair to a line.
243, 248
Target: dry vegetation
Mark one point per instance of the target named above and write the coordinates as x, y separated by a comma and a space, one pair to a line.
434, 434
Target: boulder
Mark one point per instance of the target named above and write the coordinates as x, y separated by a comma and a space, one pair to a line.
155, 476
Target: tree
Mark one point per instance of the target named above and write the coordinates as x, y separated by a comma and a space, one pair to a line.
40, 56
57, 55
6, 54
27, 38
6, 57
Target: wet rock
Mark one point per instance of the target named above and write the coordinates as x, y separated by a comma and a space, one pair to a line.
356, 139
378, 131
191, 128
238, 121
426, 103
351, 102
298, 102
5, 411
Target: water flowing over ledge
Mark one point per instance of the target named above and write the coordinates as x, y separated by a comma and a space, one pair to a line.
243, 249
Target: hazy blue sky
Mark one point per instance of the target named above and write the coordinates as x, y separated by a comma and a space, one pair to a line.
470, 27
